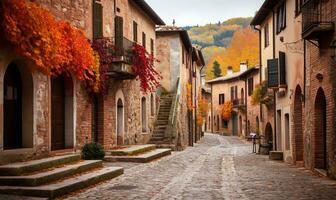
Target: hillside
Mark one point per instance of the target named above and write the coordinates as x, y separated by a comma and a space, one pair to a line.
214, 38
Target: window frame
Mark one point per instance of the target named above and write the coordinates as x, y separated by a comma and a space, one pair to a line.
281, 25
135, 32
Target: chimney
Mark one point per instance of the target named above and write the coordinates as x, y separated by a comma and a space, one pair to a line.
229, 70
243, 66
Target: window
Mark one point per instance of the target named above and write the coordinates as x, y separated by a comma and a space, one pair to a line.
266, 34
221, 99
272, 73
278, 135
224, 123
144, 40
119, 31
234, 93
135, 31
250, 86
287, 131
281, 17
282, 68
152, 46
298, 5
97, 19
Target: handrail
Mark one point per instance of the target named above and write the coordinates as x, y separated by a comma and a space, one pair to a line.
177, 97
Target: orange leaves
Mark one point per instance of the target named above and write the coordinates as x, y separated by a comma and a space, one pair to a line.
244, 46
189, 97
203, 108
226, 110
54, 46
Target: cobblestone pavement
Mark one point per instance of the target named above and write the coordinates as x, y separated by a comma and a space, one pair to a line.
216, 168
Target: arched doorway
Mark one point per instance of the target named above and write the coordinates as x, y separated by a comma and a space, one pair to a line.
320, 136
62, 124
269, 135
18, 107
240, 125
120, 122
143, 114
298, 124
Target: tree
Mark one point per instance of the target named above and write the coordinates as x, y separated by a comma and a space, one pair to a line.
216, 69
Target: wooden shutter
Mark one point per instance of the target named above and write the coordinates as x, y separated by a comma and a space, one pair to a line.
232, 93
144, 40
272, 66
282, 68
97, 20
152, 46
135, 31
119, 32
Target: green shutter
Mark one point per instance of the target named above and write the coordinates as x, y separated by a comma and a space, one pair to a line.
272, 66
97, 20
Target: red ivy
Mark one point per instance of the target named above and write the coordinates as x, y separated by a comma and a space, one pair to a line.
104, 48
143, 68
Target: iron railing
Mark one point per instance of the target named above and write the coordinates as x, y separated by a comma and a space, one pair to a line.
316, 13
123, 50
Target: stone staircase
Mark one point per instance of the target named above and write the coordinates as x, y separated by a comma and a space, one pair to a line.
54, 176
159, 138
137, 154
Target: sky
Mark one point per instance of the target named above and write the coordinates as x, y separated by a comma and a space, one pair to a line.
193, 12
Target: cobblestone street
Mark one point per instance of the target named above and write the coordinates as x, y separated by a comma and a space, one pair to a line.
216, 168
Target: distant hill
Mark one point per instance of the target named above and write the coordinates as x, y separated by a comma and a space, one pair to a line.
214, 38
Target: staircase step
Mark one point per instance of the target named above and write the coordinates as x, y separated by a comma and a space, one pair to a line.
142, 158
132, 150
17, 169
52, 175
155, 138
65, 186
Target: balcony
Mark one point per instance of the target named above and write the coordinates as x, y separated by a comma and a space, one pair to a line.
316, 19
238, 103
121, 67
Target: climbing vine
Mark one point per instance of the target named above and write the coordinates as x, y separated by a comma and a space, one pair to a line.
54, 46
189, 96
226, 110
143, 68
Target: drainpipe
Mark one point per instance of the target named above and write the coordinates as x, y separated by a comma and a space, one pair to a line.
212, 119
304, 72
260, 68
274, 91
246, 106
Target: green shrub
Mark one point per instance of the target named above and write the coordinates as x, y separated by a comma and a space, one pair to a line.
93, 151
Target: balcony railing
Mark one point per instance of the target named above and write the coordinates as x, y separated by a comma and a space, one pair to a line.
122, 60
238, 102
316, 18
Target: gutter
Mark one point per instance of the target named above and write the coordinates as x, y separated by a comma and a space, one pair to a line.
260, 69
274, 91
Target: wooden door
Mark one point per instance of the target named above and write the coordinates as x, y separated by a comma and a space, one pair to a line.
234, 125
95, 116
12, 108
57, 113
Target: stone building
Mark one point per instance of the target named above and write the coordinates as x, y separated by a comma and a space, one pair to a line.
237, 88
282, 76
319, 33
57, 114
179, 65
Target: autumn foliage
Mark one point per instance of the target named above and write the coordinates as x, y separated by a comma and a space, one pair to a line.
203, 107
226, 110
54, 46
189, 96
244, 46
143, 68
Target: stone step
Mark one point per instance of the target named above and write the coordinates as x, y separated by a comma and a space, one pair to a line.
17, 169
160, 142
142, 158
52, 175
132, 150
63, 187
156, 138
